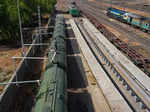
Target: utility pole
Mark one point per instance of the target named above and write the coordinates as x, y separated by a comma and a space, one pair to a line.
20, 25
39, 22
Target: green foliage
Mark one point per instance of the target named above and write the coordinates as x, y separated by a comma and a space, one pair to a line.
9, 27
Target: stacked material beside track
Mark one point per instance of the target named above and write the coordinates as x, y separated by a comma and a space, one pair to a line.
52, 95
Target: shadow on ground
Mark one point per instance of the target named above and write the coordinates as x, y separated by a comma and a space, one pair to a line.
79, 100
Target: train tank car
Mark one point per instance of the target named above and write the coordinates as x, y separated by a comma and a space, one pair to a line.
52, 95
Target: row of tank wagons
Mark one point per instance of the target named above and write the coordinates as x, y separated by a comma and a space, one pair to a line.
73, 10
52, 95
130, 18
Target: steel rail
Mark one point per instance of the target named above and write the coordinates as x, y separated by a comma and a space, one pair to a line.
139, 82
115, 63
111, 94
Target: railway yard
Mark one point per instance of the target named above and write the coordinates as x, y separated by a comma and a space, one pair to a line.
88, 63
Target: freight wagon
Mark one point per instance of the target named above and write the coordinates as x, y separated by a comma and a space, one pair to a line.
130, 18
73, 10
52, 95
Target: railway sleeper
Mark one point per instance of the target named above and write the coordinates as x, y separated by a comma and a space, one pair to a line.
133, 94
124, 83
108, 34
137, 99
128, 88
143, 106
110, 68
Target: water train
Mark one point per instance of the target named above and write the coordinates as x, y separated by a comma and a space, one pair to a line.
130, 18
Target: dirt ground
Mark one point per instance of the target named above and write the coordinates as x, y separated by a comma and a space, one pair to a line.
132, 36
6, 62
141, 7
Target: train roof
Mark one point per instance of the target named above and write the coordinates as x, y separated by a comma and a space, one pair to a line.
130, 14
135, 15
111, 8
147, 19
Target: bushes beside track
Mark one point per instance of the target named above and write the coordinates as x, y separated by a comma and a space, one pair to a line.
9, 24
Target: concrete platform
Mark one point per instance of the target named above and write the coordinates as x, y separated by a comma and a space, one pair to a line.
140, 75
112, 96
137, 79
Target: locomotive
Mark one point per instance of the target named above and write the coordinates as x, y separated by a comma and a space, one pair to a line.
73, 10
136, 20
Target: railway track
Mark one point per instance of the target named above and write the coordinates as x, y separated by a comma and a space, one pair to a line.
126, 84
111, 95
98, 17
130, 93
136, 57
126, 31
124, 6
129, 28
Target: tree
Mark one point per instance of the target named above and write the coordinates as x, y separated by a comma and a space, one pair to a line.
9, 27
